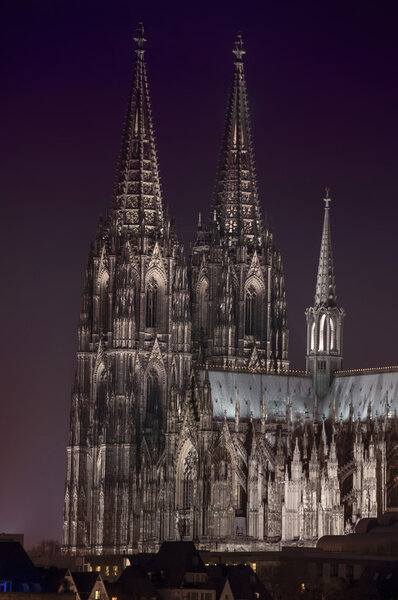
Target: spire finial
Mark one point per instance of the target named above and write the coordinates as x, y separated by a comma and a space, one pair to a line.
238, 48
139, 38
131, 204
327, 198
325, 292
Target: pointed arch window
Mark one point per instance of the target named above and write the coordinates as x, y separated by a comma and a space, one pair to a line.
242, 502
152, 295
187, 481
153, 399
101, 407
103, 299
250, 311
312, 342
203, 306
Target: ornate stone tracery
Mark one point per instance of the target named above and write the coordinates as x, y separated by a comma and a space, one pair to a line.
162, 445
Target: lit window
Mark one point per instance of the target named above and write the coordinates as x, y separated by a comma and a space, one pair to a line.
322, 334
331, 334
98, 568
313, 336
302, 588
97, 595
254, 566
107, 570
115, 570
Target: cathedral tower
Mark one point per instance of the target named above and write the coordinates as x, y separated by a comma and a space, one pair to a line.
324, 319
237, 281
134, 347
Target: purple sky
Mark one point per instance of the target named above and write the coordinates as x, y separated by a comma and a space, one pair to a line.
322, 83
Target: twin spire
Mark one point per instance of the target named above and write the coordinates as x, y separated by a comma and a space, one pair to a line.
138, 202
325, 292
236, 204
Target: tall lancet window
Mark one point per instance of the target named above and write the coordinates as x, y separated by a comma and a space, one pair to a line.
332, 344
322, 334
104, 302
250, 312
203, 306
152, 304
187, 481
312, 342
153, 398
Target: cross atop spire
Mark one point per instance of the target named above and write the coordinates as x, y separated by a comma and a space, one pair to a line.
236, 198
325, 293
327, 200
139, 38
238, 48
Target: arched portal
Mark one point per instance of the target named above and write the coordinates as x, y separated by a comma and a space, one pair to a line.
188, 469
187, 475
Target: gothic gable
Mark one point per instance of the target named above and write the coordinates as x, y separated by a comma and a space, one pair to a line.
155, 356
255, 273
102, 266
189, 428
255, 363
156, 266
100, 364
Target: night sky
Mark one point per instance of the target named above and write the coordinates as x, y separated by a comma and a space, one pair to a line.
322, 84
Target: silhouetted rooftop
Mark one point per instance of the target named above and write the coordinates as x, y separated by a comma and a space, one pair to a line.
17, 568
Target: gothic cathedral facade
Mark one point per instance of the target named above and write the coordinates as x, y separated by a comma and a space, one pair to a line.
186, 422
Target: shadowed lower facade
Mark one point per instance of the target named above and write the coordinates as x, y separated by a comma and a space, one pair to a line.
186, 422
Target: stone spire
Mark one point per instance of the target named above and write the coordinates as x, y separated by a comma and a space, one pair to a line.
138, 203
325, 292
236, 198
324, 319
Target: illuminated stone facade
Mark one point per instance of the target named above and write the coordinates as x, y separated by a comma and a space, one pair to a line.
186, 422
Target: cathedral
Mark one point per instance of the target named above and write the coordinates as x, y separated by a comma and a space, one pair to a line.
186, 422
